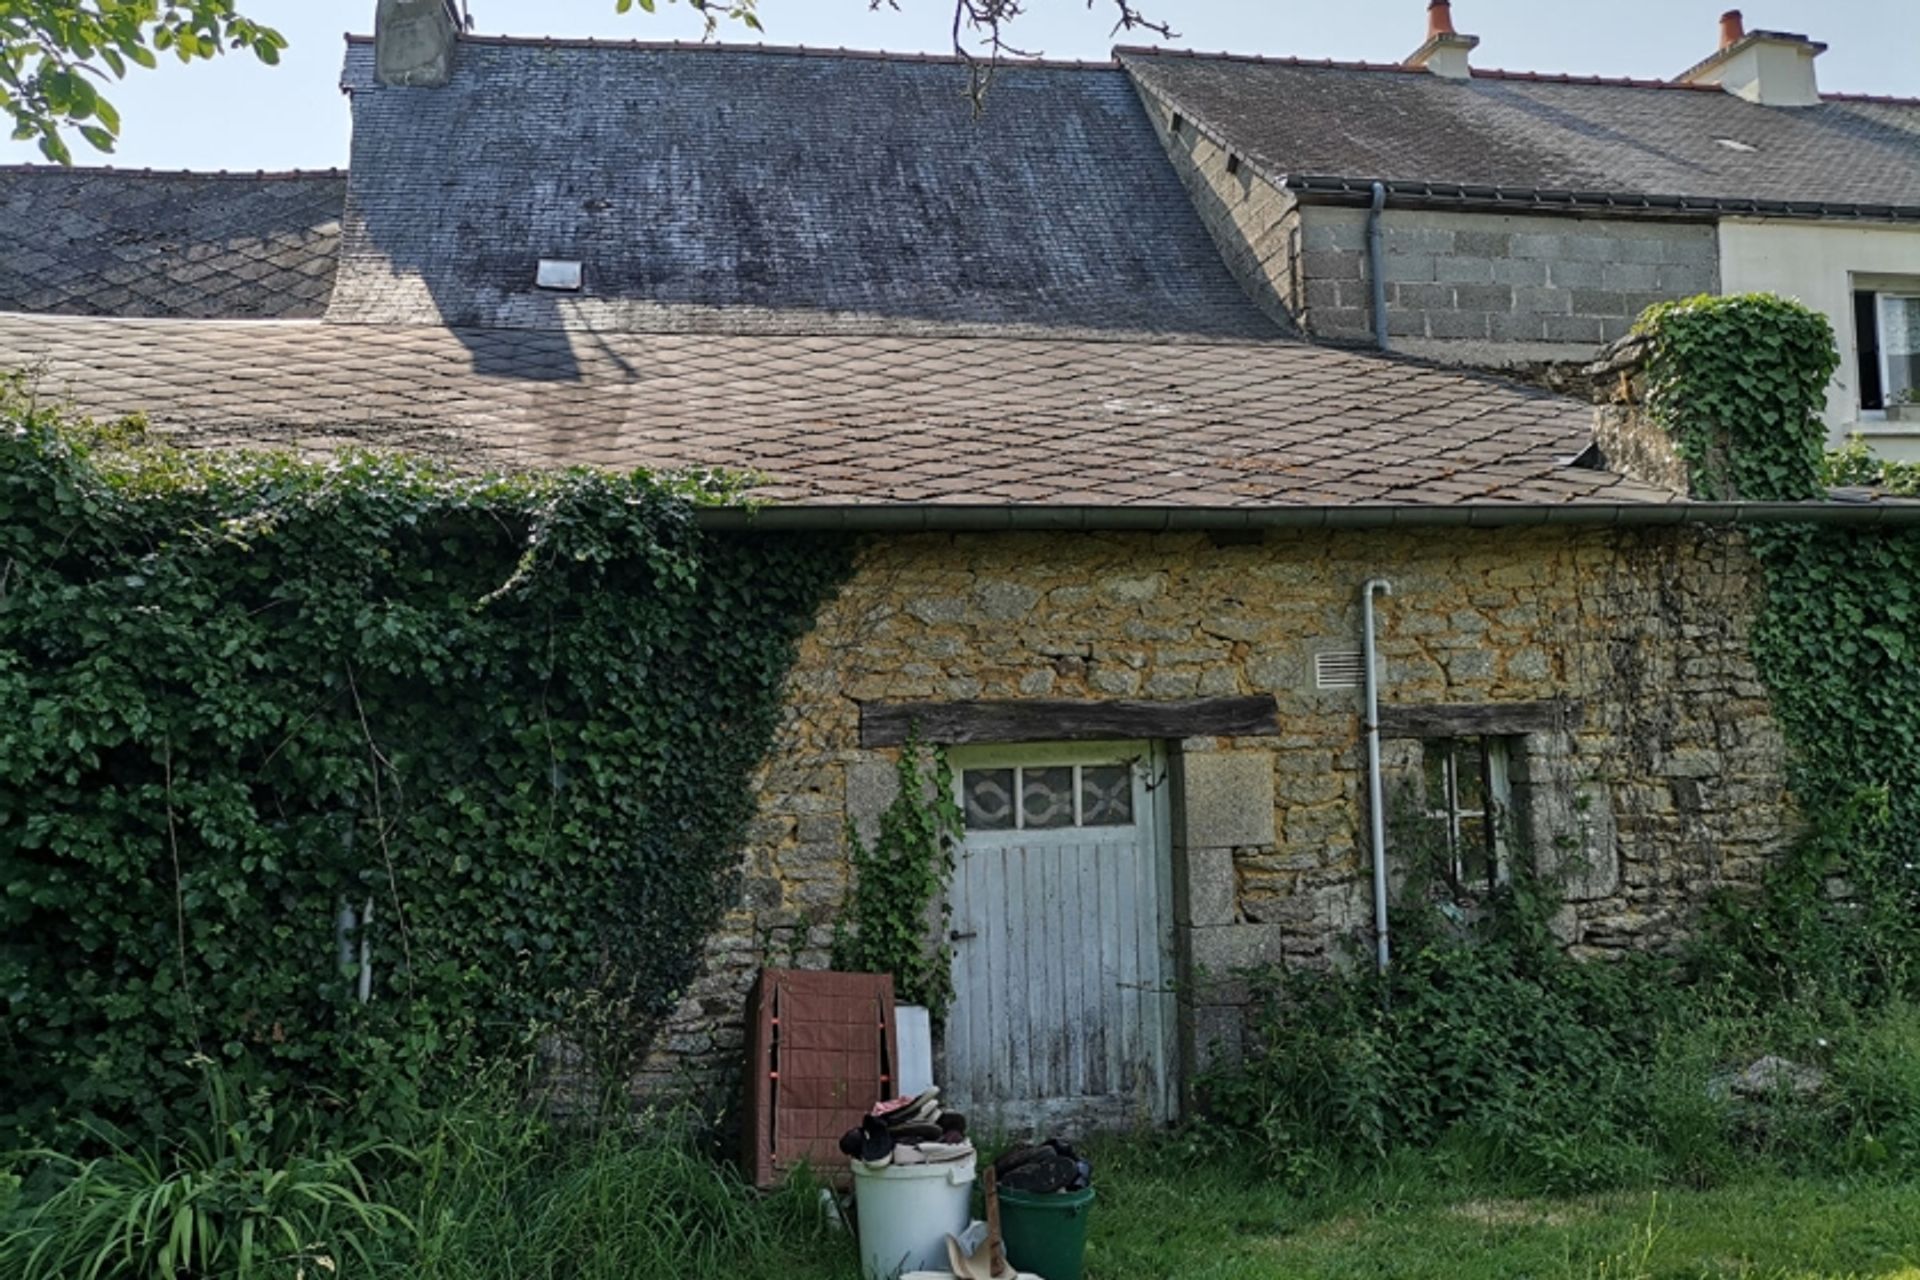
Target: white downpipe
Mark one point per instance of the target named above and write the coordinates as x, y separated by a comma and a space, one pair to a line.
1376, 790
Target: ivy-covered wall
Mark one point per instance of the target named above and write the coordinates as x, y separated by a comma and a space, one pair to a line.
257, 715
1737, 385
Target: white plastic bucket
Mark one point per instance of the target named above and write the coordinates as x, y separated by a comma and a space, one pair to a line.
907, 1212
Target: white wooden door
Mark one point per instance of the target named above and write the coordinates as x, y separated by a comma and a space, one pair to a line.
1063, 1012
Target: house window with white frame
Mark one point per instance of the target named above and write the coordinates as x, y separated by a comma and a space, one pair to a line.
1886, 324
1467, 797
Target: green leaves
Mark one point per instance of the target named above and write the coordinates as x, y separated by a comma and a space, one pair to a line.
54, 55
894, 921
518, 715
1739, 384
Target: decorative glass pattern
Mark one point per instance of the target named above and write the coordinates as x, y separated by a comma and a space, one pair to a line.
1046, 798
988, 799
1106, 795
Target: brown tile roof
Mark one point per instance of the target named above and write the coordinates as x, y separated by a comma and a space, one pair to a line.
838, 420
135, 242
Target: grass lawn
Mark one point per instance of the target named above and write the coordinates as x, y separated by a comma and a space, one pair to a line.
1160, 1221
1226, 1224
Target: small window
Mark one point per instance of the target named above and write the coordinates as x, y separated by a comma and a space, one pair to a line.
1047, 797
1466, 801
1886, 330
560, 275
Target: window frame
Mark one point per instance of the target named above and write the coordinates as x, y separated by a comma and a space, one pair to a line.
1496, 764
1145, 767
1872, 357
1880, 298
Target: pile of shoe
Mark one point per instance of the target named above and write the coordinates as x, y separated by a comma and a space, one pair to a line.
906, 1131
1047, 1169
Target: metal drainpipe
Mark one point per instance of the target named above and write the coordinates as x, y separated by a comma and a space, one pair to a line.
1376, 265
1376, 791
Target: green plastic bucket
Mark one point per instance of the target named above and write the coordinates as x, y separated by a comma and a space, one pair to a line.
1046, 1235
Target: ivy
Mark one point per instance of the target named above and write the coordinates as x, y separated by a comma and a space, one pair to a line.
899, 886
256, 712
1730, 379
1739, 383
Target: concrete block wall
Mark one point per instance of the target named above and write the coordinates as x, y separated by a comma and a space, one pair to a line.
1494, 289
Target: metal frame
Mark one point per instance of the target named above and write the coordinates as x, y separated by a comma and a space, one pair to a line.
1497, 785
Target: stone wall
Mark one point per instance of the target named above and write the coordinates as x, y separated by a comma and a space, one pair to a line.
1666, 782
1255, 225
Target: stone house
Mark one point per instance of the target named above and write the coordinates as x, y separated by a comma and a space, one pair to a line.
1122, 530
1527, 218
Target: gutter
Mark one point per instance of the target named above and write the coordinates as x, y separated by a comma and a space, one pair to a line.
1334, 189
985, 518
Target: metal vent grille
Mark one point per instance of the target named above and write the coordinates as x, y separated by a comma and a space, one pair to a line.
1344, 669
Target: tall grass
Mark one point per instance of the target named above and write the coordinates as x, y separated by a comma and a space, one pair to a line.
500, 1193
252, 1193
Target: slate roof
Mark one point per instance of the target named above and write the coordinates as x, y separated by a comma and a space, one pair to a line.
747, 190
1523, 139
136, 243
860, 420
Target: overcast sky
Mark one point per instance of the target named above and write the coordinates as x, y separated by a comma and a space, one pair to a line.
236, 114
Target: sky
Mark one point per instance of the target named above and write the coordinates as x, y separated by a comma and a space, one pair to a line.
236, 114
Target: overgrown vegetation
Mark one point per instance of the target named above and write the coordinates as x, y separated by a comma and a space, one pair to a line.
1488, 1044
1853, 464
486, 1186
349, 773
894, 919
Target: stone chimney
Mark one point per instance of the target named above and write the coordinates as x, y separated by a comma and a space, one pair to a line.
414, 42
1446, 51
1772, 68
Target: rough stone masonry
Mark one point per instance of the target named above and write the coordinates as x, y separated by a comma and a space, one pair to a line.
1666, 781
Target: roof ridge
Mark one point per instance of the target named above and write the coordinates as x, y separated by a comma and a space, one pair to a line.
1334, 64
772, 50
246, 174
1122, 52
1882, 99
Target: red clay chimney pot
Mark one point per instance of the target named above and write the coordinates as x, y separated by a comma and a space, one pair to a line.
1733, 28
1440, 18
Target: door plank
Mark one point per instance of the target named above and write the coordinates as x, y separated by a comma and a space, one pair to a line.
1080, 1017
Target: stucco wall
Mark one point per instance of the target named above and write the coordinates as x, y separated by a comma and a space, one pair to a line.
1671, 783
1817, 263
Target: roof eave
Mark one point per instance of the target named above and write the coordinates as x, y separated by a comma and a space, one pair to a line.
996, 518
1337, 189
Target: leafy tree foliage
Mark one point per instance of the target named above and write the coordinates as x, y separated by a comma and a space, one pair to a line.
267, 726
54, 55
